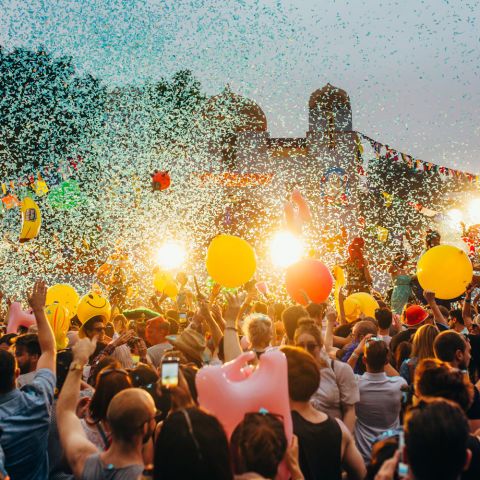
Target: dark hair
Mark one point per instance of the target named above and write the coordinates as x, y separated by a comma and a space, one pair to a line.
260, 307
64, 359
192, 444
446, 345
258, 444
290, 317
7, 338
143, 375
307, 325
109, 330
110, 381
365, 327
376, 354
29, 341
303, 374
381, 452
434, 378
436, 435
456, 314
402, 352
7, 371
88, 325
383, 316
316, 309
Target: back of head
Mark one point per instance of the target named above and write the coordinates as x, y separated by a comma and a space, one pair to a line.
30, 342
192, 444
436, 434
316, 310
303, 374
376, 354
434, 378
128, 412
308, 326
260, 307
422, 345
7, 371
258, 444
456, 314
446, 345
365, 327
290, 317
257, 327
383, 316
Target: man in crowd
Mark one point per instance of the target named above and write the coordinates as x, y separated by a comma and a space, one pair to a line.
27, 353
25, 412
384, 317
156, 332
130, 417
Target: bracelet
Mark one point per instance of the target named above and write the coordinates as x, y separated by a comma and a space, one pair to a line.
355, 355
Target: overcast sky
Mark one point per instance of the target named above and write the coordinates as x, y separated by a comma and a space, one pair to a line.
411, 67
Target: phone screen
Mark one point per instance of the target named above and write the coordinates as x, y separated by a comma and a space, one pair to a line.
182, 316
170, 372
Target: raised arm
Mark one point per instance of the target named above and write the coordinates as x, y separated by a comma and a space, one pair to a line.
211, 323
75, 444
437, 314
467, 307
231, 341
46, 339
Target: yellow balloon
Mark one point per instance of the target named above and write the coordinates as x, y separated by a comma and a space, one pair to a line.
59, 318
91, 305
230, 261
445, 270
164, 283
65, 295
359, 303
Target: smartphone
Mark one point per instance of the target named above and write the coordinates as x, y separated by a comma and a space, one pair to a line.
170, 372
182, 317
402, 468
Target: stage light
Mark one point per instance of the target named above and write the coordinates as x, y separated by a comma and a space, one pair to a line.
474, 210
285, 249
171, 255
455, 216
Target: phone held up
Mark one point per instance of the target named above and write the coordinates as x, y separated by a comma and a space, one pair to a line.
170, 366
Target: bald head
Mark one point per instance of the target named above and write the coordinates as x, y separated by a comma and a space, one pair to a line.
128, 412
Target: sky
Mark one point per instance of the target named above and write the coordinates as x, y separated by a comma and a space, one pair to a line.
411, 67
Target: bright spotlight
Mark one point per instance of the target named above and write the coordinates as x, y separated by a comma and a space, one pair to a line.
474, 210
285, 249
455, 215
171, 255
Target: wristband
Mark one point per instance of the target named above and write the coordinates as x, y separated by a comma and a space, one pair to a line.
355, 355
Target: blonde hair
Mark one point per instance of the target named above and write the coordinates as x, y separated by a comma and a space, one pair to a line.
257, 327
422, 345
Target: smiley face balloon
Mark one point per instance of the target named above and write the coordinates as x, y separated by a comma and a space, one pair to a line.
91, 305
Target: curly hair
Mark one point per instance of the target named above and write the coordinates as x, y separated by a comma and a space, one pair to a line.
257, 327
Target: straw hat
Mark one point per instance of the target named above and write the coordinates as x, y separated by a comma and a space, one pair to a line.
191, 343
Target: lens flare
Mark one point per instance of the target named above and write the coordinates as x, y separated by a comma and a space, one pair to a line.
171, 255
285, 249
474, 210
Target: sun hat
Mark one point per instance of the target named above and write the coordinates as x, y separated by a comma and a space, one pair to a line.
190, 342
414, 315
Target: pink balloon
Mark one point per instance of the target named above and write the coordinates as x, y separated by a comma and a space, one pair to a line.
17, 317
232, 390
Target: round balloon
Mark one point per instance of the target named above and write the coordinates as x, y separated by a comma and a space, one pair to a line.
59, 319
164, 283
445, 270
359, 303
91, 305
309, 276
65, 295
231, 261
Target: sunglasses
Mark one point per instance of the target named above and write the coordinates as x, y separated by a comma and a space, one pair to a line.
309, 346
98, 329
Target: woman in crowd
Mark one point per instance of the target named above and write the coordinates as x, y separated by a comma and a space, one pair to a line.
338, 390
325, 444
422, 347
356, 268
258, 330
402, 289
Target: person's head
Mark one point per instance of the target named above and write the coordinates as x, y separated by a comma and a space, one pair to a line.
7, 340
308, 337
290, 318
375, 355
434, 378
157, 330
316, 311
131, 416
258, 330
303, 374
422, 344
452, 347
260, 307
94, 327
110, 381
432, 239
192, 444
383, 316
277, 310
436, 435
27, 352
8, 371
363, 328
258, 444
455, 320
120, 323
382, 450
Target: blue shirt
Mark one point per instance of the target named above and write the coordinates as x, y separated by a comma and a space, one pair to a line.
25, 420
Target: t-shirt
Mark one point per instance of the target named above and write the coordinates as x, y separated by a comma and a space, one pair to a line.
156, 352
338, 387
25, 378
24, 421
94, 469
378, 409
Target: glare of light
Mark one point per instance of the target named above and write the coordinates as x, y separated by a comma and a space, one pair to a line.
474, 210
285, 249
171, 255
455, 215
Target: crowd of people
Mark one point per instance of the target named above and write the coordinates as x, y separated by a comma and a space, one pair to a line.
395, 395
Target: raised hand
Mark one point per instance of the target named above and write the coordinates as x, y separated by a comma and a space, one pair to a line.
36, 299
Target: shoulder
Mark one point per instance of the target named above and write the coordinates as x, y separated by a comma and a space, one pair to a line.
44, 382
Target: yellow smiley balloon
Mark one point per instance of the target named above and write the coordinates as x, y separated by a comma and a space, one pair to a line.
65, 295
91, 305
